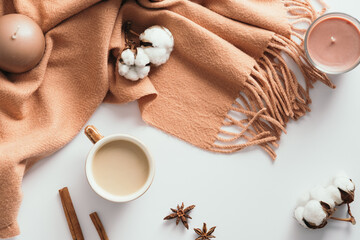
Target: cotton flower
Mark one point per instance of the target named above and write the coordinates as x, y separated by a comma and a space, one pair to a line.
346, 188
299, 215
335, 194
344, 183
317, 206
128, 57
322, 194
141, 59
134, 66
158, 43
314, 214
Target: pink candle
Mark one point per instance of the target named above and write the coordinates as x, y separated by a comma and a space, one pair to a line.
22, 43
332, 43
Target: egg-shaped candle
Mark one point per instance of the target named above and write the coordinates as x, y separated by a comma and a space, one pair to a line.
22, 43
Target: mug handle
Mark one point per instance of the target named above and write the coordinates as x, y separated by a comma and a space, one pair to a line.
92, 133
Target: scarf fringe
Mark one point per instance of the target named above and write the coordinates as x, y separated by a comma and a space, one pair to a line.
302, 12
272, 94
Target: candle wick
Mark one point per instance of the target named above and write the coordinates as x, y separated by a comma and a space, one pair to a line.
15, 33
333, 40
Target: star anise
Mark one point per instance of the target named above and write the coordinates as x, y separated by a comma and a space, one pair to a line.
180, 214
204, 234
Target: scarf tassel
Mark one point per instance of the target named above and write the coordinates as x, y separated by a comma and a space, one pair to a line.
272, 94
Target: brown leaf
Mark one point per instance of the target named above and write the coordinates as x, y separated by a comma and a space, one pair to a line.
146, 44
327, 209
313, 226
346, 197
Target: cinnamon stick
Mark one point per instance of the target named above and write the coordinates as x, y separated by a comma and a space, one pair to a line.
70, 214
98, 225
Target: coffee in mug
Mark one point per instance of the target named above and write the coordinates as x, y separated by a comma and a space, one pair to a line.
119, 167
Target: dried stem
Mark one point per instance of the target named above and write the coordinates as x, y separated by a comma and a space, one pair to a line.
351, 219
127, 30
133, 32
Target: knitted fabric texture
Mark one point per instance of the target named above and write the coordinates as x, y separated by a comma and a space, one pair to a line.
226, 71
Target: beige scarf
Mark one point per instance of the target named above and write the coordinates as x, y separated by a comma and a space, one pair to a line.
226, 71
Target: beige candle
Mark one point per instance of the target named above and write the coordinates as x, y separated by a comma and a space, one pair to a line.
22, 43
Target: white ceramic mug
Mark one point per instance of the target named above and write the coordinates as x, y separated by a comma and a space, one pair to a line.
93, 134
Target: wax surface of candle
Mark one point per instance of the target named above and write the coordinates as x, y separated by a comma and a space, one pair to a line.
22, 43
334, 42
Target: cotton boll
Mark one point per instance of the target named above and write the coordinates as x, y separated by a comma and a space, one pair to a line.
317, 206
128, 57
157, 56
143, 71
299, 215
344, 183
314, 213
158, 36
346, 188
158, 44
132, 74
335, 194
321, 194
139, 67
123, 68
302, 201
142, 58
137, 72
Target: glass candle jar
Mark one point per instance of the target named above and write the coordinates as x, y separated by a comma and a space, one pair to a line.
332, 43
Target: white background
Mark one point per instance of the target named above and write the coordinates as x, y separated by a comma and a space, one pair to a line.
246, 195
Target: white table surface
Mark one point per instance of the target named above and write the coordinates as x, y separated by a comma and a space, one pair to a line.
246, 195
